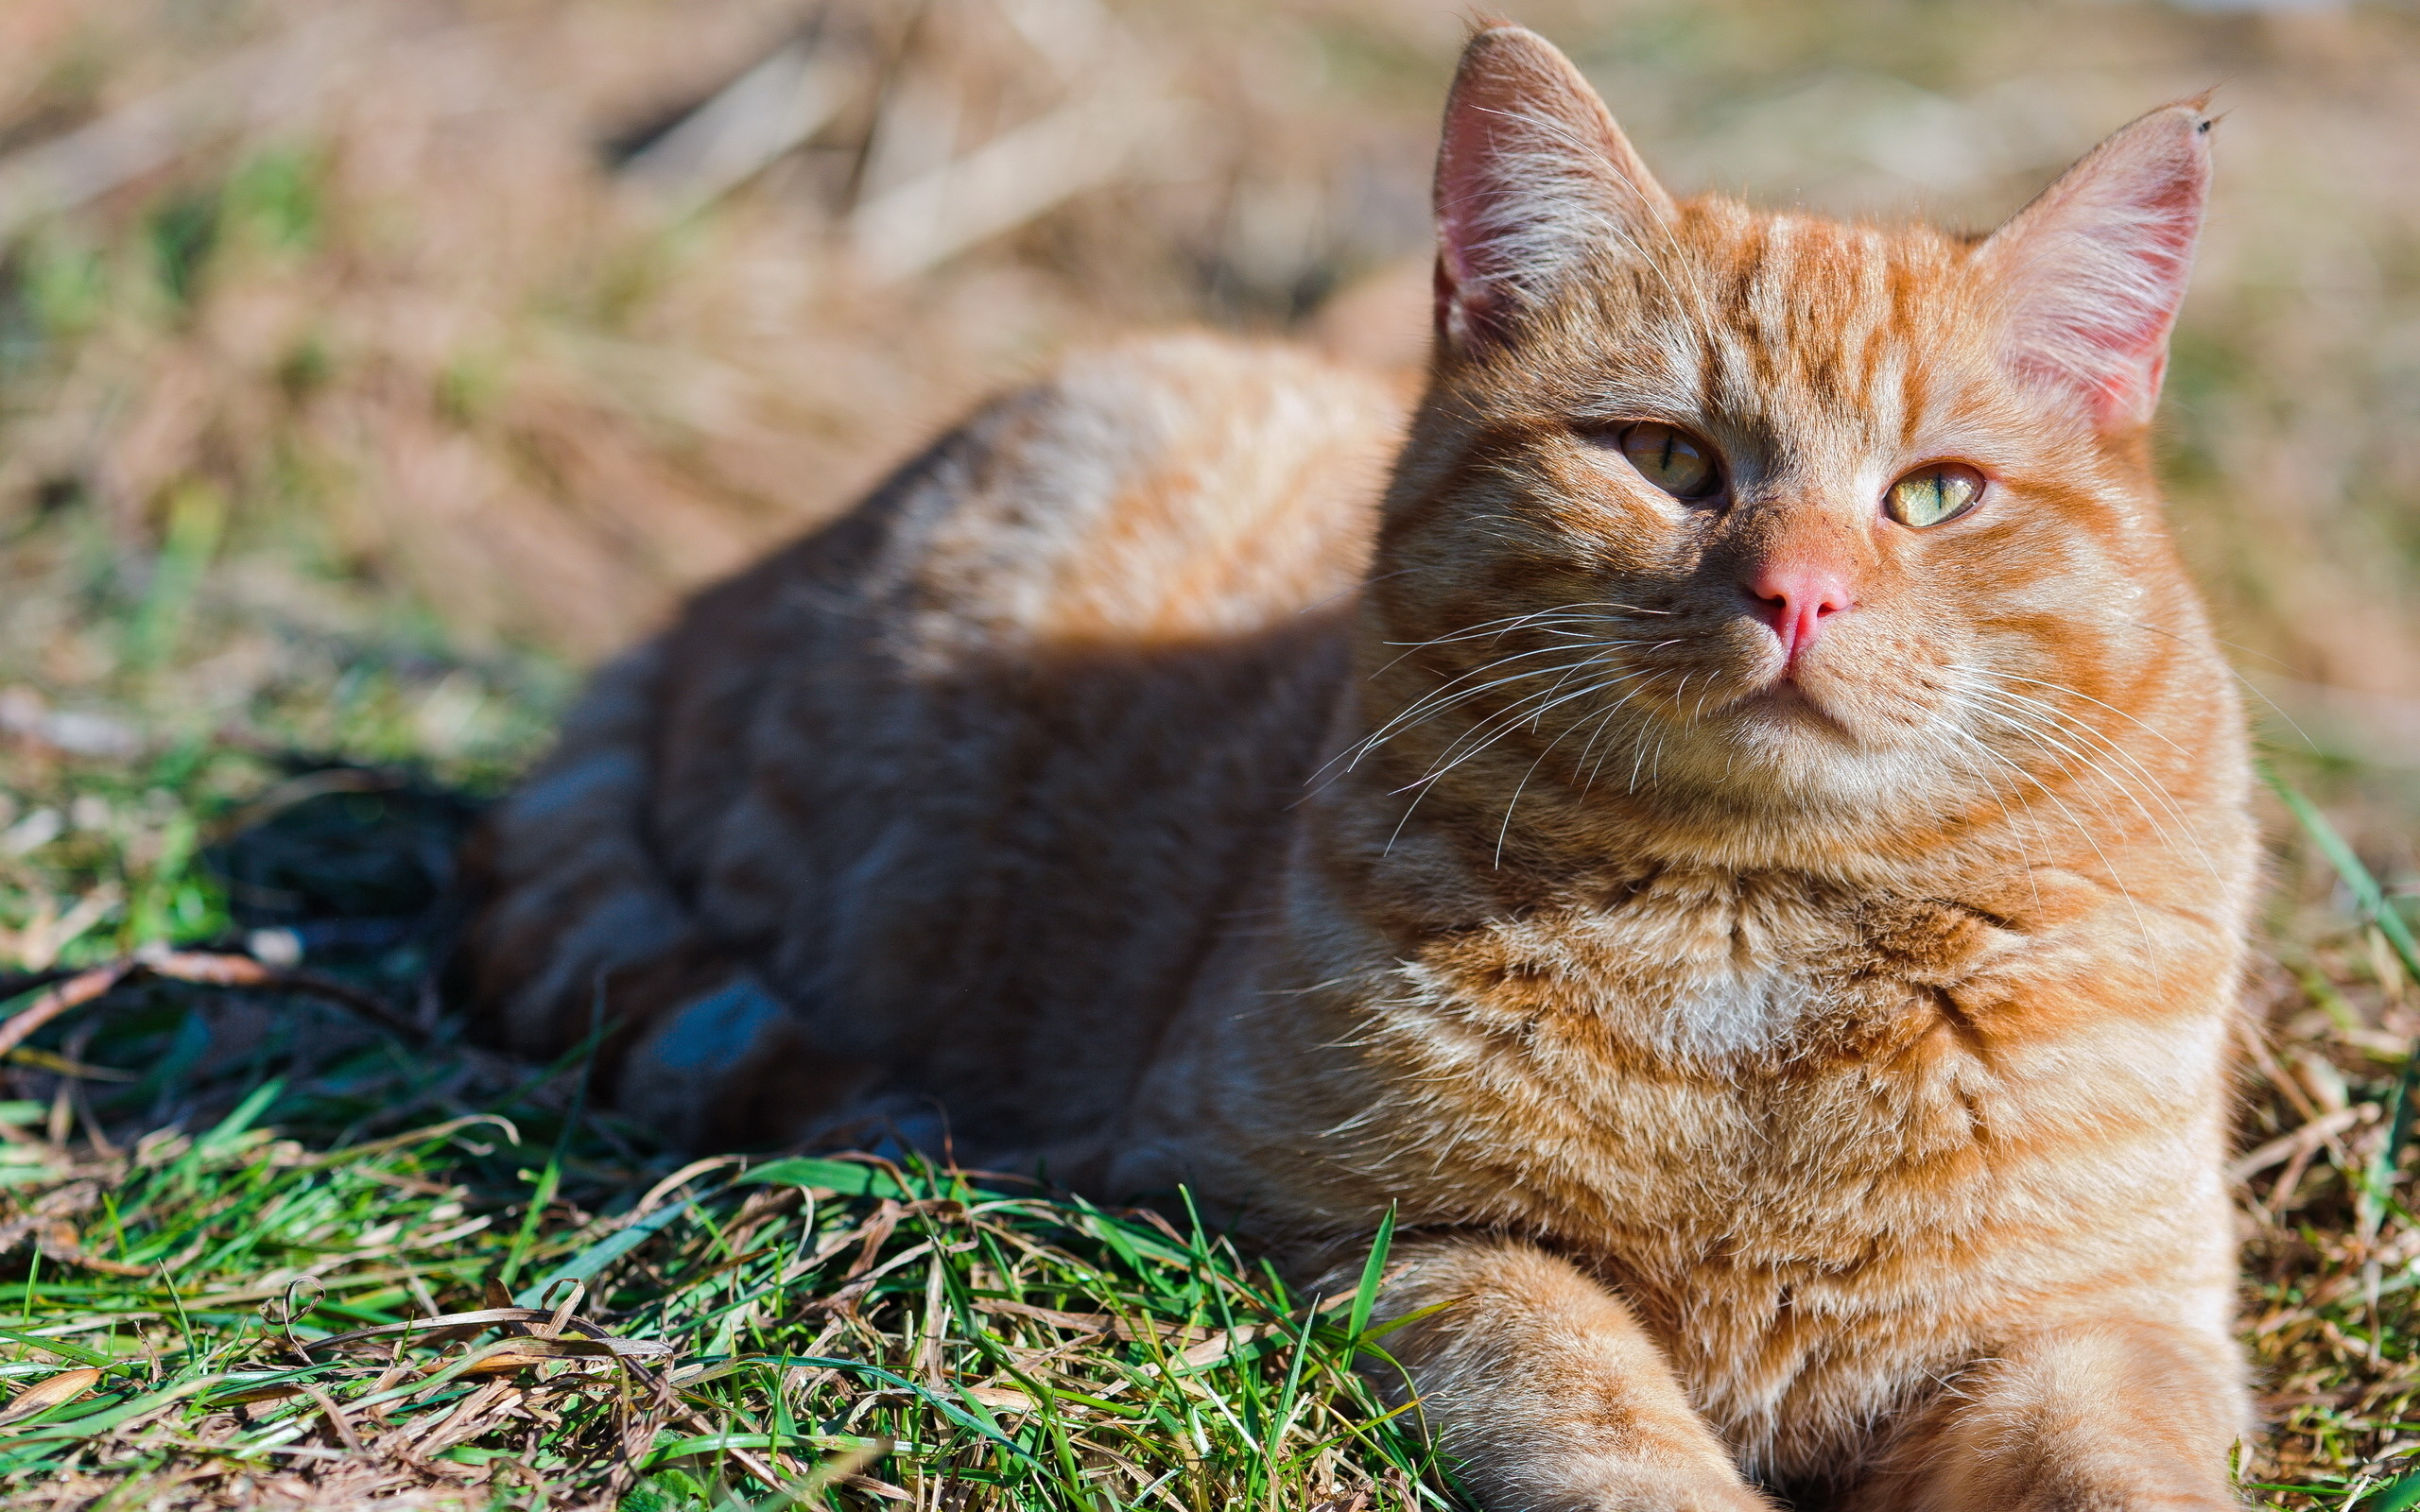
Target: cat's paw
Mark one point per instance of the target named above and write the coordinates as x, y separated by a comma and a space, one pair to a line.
2139, 1500
1635, 1489
2048, 1491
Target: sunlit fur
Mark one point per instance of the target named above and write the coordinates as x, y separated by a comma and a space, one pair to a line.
1807, 1073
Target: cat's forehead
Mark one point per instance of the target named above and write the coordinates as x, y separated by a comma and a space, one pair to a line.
1799, 327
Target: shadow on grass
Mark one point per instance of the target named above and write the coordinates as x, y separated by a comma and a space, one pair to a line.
262, 1248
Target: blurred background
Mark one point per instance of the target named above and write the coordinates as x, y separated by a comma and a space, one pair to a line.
370, 367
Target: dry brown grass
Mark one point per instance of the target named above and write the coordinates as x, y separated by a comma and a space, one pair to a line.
545, 394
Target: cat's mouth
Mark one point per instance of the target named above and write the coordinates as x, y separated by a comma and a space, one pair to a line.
1788, 703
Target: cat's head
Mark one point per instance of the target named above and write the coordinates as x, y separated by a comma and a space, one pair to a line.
1750, 518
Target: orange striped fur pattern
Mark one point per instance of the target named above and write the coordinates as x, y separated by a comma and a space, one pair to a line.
1741, 837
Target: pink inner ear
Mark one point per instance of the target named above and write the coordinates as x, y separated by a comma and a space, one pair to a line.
2131, 342
1468, 197
1466, 312
1479, 196
1531, 171
2096, 269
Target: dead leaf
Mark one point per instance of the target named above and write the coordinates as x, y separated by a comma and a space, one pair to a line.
258, 1395
516, 1354
1007, 1399
881, 1488
51, 1391
1079, 1322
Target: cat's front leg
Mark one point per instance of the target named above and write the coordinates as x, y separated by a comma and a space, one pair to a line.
2115, 1417
1544, 1388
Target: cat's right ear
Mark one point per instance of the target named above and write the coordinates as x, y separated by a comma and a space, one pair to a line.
2093, 270
1532, 174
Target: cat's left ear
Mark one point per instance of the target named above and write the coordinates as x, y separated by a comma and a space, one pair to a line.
1533, 174
2091, 272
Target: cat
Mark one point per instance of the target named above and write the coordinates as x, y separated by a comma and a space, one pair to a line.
1738, 834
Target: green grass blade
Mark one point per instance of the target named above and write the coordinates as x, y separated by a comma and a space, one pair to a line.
233, 1125
543, 1194
2364, 887
59, 1347
1365, 1296
2379, 1178
847, 1178
102, 1422
2403, 1495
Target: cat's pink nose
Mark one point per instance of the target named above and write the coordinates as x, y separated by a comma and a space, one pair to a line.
1796, 598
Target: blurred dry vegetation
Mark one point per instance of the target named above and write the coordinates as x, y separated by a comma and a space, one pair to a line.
529, 314
369, 366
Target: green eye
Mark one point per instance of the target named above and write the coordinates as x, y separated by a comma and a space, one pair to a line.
1929, 495
1673, 460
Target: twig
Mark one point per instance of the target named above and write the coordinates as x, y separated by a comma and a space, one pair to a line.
205, 969
73, 994
2309, 1137
495, 1316
25, 982
242, 971
1007, 181
765, 113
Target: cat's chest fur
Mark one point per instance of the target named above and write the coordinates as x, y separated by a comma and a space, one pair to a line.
1708, 968
1617, 1060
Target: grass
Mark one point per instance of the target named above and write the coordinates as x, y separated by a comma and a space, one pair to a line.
250, 1322
511, 1300
2334, 1307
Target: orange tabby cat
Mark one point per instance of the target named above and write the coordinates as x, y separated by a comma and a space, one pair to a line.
1742, 839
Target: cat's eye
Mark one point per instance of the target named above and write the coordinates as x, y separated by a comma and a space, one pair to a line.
1672, 460
1932, 494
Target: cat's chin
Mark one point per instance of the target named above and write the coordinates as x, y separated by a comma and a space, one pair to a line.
1787, 704
1795, 756
1787, 726
1783, 752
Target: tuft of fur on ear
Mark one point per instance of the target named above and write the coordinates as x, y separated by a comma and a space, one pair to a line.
1532, 174
2092, 271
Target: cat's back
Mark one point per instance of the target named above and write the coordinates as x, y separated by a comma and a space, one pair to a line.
964, 778
1145, 506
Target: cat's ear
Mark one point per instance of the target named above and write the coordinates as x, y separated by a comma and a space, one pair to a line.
1532, 174
2091, 273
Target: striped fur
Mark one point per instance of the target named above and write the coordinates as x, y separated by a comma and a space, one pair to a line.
1799, 1074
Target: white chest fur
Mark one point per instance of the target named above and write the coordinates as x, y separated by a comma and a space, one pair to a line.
1713, 1009
1707, 966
